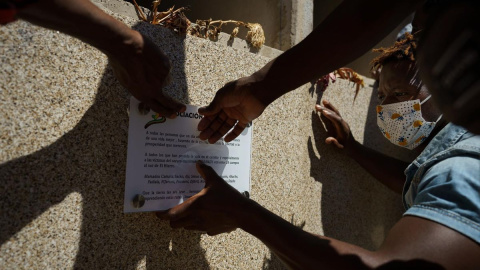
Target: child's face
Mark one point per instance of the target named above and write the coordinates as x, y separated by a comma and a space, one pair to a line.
397, 83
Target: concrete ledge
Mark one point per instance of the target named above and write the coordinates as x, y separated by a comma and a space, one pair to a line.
126, 9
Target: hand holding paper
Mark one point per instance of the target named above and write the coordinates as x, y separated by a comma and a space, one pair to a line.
144, 71
211, 210
234, 105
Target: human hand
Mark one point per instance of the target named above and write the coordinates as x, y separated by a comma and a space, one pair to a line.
234, 105
144, 69
337, 129
213, 210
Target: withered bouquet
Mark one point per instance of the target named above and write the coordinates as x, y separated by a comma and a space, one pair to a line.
342, 73
176, 20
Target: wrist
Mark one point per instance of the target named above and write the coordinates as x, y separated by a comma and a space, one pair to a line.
253, 87
352, 147
268, 85
125, 42
245, 213
262, 90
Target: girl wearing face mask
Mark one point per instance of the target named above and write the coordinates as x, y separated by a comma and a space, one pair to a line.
404, 116
441, 187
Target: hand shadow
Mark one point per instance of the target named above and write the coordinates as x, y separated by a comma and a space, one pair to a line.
354, 208
90, 159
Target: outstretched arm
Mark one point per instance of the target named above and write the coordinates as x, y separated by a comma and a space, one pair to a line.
138, 64
348, 32
413, 243
388, 170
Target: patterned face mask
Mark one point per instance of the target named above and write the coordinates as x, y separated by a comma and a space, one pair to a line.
402, 123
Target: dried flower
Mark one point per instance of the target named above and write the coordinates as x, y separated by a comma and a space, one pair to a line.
323, 82
349, 74
173, 19
194, 30
176, 20
255, 35
234, 32
342, 73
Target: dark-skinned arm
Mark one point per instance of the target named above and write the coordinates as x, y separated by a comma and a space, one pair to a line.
413, 243
138, 63
297, 248
388, 170
349, 31
219, 208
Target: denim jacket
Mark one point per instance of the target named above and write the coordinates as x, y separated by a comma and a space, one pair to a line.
443, 182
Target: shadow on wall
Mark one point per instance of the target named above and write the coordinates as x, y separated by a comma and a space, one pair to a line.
274, 262
90, 159
355, 207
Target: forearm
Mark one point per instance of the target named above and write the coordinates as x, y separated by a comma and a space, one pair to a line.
297, 248
388, 170
81, 19
348, 32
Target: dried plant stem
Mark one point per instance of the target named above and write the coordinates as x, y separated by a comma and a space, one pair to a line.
255, 35
142, 15
170, 15
228, 21
176, 20
342, 73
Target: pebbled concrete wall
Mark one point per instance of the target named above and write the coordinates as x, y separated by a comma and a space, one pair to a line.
64, 122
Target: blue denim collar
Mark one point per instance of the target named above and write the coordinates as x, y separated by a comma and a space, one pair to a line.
446, 138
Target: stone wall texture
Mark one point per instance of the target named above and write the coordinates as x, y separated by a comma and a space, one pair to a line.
63, 146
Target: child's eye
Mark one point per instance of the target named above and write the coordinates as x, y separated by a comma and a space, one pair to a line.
400, 94
381, 97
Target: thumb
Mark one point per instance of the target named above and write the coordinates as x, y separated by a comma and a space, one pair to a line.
163, 215
207, 173
218, 101
333, 140
213, 108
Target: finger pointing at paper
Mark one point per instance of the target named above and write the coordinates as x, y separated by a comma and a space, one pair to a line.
234, 106
211, 210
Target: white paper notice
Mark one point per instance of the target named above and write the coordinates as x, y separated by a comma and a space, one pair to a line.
162, 153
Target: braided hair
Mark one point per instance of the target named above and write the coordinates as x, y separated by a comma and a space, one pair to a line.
402, 50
